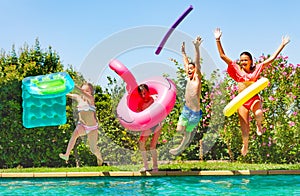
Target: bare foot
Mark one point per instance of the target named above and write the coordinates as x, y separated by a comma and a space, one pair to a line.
244, 150
183, 145
99, 162
64, 157
143, 169
155, 169
176, 151
259, 130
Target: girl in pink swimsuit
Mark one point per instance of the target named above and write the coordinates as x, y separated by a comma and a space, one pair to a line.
87, 123
245, 73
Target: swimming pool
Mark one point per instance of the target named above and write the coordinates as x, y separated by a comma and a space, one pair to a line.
179, 185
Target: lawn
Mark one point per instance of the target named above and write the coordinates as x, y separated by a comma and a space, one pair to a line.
178, 166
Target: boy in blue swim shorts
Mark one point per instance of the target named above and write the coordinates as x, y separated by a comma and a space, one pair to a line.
191, 112
189, 118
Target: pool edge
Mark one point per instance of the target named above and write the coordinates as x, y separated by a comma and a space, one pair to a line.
149, 173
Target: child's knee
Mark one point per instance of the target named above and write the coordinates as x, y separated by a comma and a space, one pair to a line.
259, 114
152, 147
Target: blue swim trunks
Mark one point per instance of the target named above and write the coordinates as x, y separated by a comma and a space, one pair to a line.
189, 118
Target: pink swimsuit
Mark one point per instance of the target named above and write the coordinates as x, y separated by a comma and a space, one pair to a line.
87, 128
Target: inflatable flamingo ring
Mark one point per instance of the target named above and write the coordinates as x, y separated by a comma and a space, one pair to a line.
127, 107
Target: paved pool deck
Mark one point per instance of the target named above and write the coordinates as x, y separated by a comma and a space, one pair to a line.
139, 174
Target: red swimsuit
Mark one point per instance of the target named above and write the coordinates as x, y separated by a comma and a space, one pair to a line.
239, 75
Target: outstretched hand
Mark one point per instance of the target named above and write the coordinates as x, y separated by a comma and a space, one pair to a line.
197, 41
183, 48
285, 40
218, 33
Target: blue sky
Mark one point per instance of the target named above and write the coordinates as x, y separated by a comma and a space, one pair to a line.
75, 27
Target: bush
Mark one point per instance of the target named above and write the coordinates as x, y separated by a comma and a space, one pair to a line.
216, 137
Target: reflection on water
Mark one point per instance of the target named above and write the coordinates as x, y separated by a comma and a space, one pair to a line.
183, 185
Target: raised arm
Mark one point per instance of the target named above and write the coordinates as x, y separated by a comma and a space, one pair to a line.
85, 96
284, 42
218, 34
197, 43
185, 58
72, 96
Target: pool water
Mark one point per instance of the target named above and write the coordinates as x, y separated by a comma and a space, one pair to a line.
179, 185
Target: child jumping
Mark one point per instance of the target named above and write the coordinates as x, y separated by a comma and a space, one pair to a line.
245, 73
147, 100
87, 121
191, 112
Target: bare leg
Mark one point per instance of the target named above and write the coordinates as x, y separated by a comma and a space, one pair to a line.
180, 133
153, 150
244, 122
142, 144
180, 128
79, 131
93, 140
186, 138
258, 113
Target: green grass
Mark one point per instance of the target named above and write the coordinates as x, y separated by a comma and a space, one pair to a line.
179, 166
205, 166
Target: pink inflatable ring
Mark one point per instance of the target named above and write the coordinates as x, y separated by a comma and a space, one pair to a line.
164, 88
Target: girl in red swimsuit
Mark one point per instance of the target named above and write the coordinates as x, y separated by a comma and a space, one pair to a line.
245, 73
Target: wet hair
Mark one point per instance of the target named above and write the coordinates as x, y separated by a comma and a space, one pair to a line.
252, 66
142, 87
192, 63
90, 86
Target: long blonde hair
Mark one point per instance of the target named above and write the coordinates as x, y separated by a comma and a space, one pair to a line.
90, 86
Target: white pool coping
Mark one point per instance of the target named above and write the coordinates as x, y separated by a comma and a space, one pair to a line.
136, 173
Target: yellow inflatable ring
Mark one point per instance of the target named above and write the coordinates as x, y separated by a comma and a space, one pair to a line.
245, 95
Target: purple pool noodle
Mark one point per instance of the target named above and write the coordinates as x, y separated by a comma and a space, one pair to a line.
162, 43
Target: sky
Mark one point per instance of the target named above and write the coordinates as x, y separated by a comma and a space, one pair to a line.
88, 33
